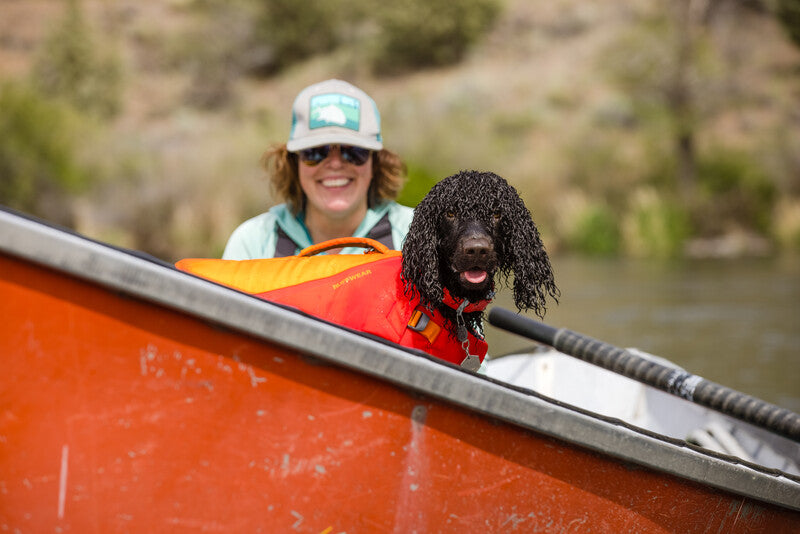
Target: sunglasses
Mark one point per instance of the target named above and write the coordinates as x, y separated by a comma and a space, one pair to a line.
351, 154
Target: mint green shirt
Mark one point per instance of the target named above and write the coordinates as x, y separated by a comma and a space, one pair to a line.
257, 237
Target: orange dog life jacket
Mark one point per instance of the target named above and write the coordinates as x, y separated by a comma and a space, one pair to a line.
361, 292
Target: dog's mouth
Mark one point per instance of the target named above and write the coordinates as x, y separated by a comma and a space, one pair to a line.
474, 276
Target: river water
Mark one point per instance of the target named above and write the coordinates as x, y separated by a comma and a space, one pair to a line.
734, 322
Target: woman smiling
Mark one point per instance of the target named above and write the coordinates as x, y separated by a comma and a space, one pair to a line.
334, 177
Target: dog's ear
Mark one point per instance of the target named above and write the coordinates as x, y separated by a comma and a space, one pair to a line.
524, 254
420, 253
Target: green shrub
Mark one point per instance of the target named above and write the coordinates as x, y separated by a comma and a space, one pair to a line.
427, 33
788, 12
293, 30
420, 181
74, 66
598, 163
595, 232
38, 161
398, 36
733, 189
654, 227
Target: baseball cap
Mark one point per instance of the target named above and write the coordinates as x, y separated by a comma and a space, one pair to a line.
334, 112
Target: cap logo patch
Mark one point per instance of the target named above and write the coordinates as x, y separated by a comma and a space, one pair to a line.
334, 109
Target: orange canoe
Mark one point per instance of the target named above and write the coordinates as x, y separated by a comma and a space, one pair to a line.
136, 398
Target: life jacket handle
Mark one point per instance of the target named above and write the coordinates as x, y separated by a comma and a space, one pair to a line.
342, 242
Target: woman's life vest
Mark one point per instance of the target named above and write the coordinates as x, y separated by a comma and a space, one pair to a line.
363, 292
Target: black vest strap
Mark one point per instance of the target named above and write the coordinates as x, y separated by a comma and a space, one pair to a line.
284, 246
381, 232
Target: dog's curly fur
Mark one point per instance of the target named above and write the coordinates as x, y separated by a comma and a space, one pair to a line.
482, 204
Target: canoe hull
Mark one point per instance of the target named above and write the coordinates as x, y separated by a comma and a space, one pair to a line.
121, 415
137, 398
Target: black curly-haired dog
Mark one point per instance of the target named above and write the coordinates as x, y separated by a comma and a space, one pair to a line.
469, 228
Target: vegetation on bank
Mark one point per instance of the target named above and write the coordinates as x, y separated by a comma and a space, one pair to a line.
635, 128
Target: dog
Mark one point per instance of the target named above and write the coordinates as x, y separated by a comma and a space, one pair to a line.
471, 229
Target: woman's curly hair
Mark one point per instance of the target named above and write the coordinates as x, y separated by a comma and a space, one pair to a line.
388, 176
487, 198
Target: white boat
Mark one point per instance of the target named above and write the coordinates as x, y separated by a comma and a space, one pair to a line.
572, 381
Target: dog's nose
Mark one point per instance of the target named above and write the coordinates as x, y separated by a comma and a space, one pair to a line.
476, 247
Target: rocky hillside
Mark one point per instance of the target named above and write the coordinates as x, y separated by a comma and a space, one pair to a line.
584, 106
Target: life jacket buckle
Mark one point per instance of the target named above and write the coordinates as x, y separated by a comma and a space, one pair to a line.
422, 323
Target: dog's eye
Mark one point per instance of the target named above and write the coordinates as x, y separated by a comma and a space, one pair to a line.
450, 214
497, 216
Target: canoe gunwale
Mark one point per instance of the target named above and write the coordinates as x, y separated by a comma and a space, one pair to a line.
158, 282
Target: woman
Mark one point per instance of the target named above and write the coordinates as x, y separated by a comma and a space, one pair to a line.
334, 177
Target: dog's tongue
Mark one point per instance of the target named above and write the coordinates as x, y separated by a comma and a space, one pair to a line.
475, 276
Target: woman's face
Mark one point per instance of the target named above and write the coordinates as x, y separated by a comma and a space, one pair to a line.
335, 188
